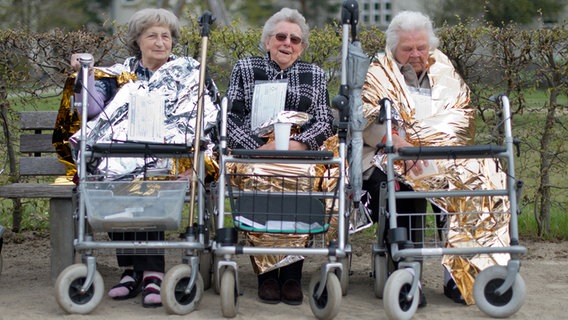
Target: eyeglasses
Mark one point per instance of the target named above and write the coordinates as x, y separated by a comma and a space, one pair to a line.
283, 36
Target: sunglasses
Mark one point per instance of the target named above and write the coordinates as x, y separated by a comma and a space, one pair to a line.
283, 36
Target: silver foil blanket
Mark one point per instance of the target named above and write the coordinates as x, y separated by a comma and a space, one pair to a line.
177, 82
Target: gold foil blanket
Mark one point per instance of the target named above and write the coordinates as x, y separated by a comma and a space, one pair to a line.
278, 177
451, 123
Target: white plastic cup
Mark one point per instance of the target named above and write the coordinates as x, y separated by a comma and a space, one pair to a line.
282, 135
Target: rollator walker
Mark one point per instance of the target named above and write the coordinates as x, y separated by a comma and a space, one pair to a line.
273, 202
276, 203
154, 203
498, 290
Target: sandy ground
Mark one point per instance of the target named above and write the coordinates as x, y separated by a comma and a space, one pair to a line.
27, 292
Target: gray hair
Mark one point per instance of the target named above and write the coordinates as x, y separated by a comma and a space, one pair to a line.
288, 15
410, 21
146, 18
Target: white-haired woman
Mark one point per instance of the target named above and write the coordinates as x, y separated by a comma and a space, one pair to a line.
430, 103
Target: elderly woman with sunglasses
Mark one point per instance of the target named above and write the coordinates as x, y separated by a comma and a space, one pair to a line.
284, 37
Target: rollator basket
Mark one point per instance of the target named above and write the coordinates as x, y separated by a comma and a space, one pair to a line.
284, 200
134, 205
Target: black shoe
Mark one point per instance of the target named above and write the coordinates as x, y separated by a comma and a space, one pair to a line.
269, 291
423, 301
452, 291
291, 292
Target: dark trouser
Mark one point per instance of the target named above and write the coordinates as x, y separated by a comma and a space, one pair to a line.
140, 259
413, 223
291, 271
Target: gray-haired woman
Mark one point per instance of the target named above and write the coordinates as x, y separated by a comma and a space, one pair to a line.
151, 36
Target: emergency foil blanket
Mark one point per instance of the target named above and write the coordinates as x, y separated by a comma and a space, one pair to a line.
451, 123
177, 82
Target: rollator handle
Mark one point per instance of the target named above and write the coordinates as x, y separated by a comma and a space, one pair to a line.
350, 15
496, 97
383, 111
86, 60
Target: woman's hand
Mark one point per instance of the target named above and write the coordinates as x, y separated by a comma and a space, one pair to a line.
76, 63
292, 145
416, 166
295, 145
187, 174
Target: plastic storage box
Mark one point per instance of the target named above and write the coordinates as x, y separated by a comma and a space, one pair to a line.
135, 205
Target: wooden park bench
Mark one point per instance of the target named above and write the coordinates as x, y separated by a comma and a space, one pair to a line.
38, 159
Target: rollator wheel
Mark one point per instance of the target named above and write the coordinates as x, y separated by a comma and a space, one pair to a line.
327, 305
344, 279
205, 263
174, 296
216, 279
68, 290
487, 281
381, 273
229, 294
397, 288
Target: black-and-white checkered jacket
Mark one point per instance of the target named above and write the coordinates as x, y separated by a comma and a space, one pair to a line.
306, 92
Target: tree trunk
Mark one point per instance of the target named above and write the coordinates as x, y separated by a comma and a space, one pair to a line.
16, 215
11, 157
546, 160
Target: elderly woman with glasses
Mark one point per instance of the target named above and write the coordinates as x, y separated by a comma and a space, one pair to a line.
284, 37
155, 72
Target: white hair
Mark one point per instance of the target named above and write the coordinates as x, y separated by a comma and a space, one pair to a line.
410, 21
288, 15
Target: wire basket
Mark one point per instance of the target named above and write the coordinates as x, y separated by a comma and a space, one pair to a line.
134, 205
275, 202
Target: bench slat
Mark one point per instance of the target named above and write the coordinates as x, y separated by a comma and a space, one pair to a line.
32, 143
60, 196
34, 190
38, 120
41, 166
